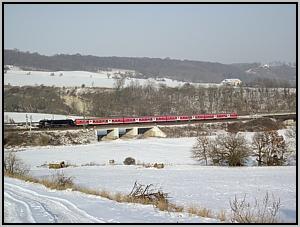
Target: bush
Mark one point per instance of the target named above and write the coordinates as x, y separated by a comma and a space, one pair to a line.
231, 150
147, 194
228, 149
60, 181
260, 212
129, 161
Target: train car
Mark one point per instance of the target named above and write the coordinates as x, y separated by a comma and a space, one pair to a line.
184, 118
233, 115
171, 118
116, 120
149, 119
81, 122
223, 115
99, 121
161, 118
128, 120
198, 117
56, 123
209, 116
145, 119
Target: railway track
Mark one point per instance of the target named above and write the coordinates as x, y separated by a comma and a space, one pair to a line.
180, 123
22, 126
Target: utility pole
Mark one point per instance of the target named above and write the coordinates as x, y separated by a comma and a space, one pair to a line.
26, 117
30, 122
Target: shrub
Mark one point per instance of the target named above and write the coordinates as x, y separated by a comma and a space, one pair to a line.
59, 181
259, 212
148, 194
14, 165
129, 161
228, 149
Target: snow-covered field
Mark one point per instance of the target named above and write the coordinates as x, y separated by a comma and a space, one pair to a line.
187, 182
78, 78
32, 203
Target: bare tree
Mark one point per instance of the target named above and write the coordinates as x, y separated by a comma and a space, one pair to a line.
119, 82
201, 149
13, 165
274, 154
228, 149
291, 135
269, 148
231, 149
260, 142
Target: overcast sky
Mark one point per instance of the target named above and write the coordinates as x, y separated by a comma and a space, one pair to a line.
218, 33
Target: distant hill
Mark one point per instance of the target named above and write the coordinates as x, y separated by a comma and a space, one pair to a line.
183, 70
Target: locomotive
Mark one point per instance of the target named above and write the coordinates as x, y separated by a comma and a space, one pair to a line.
130, 120
56, 123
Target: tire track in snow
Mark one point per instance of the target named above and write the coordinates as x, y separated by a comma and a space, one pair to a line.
39, 210
68, 212
28, 213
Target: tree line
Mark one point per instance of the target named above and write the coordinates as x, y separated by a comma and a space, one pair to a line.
138, 100
183, 70
268, 148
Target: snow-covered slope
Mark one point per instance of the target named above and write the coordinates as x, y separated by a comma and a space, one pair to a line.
78, 78
32, 203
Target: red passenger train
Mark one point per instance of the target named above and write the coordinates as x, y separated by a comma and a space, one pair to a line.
153, 119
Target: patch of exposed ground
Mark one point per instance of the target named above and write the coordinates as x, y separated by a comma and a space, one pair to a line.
200, 129
255, 125
22, 139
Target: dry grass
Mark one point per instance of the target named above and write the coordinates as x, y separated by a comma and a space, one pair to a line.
162, 205
86, 190
222, 216
265, 211
106, 194
170, 207
57, 181
119, 197
199, 211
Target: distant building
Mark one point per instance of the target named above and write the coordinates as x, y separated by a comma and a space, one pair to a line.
231, 82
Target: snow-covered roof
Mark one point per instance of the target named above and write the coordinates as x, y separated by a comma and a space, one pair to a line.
231, 80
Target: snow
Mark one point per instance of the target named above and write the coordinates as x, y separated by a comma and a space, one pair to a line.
31, 203
78, 78
187, 182
21, 117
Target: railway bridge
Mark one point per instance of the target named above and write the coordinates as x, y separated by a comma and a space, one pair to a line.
128, 132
